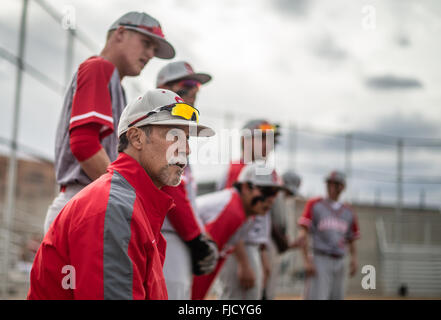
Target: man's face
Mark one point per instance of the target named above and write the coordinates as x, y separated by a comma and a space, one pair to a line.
187, 90
137, 50
334, 189
165, 153
258, 200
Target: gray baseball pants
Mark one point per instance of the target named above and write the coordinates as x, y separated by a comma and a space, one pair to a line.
328, 282
177, 269
230, 288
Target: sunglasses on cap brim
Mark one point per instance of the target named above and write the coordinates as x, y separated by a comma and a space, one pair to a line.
181, 110
266, 191
269, 127
189, 83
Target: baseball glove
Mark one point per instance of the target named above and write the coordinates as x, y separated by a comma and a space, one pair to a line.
204, 254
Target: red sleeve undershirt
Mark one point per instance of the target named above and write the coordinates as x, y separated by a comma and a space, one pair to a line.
233, 173
182, 217
306, 218
85, 140
92, 101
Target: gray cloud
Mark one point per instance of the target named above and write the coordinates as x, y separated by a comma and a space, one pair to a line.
327, 48
413, 125
391, 82
293, 7
380, 135
403, 40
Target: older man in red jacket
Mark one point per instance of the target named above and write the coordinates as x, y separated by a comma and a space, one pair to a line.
106, 242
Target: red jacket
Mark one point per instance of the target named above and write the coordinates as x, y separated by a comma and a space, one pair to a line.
110, 234
233, 173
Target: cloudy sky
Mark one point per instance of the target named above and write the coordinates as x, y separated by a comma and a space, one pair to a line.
322, 67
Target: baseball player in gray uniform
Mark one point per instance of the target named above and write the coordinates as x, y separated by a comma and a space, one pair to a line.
86, 140
333, 226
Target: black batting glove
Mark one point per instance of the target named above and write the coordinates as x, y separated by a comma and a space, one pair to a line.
204, 254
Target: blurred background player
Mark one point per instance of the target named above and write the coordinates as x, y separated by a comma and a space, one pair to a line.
224, 212
188, 249
86, 141
279, 242
333, 226
246, 271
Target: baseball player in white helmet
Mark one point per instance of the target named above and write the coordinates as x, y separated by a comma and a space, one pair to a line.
226, 216
189, 250
333, 226
86, 139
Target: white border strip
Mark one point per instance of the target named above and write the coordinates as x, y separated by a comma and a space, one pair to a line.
91, 114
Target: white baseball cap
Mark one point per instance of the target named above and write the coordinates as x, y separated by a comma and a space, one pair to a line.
143, 23
180, 70
146, 109
260, 175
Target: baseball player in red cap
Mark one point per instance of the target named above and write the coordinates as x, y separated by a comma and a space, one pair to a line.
189, 250
225, 213
107, 238
86, 140
333, 226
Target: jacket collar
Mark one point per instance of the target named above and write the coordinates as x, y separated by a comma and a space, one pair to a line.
155, 202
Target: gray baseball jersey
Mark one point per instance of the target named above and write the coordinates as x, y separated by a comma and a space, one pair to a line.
95, 95
332, 225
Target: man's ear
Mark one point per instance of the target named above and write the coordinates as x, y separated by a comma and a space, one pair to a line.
246, 187
119, 33
134, 136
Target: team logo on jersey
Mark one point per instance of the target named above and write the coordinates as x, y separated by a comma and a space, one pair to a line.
331, 223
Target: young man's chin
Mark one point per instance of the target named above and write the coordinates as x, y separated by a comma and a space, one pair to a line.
135, 72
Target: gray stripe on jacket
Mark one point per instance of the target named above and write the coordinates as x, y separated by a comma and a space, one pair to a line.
117, 265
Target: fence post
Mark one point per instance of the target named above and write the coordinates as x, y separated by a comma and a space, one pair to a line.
398, 211
292, 143
12, 170
68, 66
348, 163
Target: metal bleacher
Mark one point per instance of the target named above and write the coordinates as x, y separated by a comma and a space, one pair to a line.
413, 263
